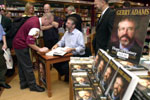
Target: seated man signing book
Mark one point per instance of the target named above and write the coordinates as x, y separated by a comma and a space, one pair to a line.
74, 41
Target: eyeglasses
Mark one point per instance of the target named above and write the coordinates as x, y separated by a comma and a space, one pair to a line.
126, 29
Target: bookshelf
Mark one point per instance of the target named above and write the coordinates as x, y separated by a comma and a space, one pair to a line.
58, 8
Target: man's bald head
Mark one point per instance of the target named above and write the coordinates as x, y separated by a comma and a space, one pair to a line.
47, 8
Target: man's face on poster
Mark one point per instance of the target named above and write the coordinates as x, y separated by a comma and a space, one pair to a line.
118, 85
100, 66
80, 80
126, 32
84, 94
107, 74
77, 67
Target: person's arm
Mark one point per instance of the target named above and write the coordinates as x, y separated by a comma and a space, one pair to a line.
32, 35
81, 46
4, 42
46, 27
35, 47
68, 50
55, 46
54, 24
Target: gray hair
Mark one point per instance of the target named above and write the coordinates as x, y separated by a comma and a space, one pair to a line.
48, 15
71, 8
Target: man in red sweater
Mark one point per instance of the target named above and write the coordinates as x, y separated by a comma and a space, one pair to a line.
25, 39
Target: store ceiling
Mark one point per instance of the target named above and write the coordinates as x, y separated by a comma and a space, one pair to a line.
15, 1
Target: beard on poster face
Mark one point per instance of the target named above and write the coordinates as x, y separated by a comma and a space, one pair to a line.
115, 92
125, 40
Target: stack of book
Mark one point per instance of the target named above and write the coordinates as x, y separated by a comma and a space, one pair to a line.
106, 79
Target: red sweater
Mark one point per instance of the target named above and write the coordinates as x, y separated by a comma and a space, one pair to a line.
22, 38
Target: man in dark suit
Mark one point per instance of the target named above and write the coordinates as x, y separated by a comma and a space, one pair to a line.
6, 23
104, 25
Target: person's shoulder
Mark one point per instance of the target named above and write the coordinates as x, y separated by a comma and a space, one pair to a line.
77, 31
33, 19
75, 15
5, 18
111, 11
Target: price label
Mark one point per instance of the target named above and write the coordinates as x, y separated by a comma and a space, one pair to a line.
123, 55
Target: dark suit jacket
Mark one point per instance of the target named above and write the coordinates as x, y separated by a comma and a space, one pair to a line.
135, 48
103, 30
6, 23
51, 35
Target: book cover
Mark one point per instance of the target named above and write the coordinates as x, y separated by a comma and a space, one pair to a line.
123, 85
131, 66
128, 34
84, 94
60, 51
97, 60
77, 68
80, 67
98, 92
82, 60
81, 81
42, 73
93, 80
102, 65
143, 87
109, 74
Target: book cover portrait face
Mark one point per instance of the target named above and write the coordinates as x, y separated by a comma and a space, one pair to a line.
84, 95
120, 86
128, 34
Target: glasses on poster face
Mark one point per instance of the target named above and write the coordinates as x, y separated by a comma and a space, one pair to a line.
129, 29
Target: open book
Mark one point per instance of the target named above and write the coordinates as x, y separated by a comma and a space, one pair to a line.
60, 51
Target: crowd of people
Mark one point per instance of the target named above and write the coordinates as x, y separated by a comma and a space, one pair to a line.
73, 38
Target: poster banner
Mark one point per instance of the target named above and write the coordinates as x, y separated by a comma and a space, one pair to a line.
128, 34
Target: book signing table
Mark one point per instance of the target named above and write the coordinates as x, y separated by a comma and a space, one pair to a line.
47, 61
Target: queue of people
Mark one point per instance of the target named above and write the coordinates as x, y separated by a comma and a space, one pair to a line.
73, 39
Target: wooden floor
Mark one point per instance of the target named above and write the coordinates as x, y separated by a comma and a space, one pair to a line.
60, 90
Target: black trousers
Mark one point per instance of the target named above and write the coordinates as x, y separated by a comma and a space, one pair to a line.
26, 74
3, 67
62, 68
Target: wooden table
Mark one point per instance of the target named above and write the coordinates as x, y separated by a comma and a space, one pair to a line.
48, 60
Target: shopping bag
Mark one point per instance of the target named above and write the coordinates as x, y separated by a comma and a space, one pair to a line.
8, 58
